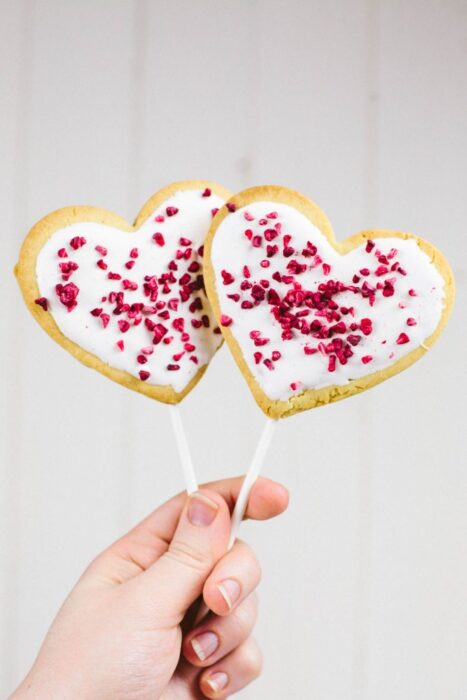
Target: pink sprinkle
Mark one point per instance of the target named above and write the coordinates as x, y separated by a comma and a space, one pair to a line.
77, 242
403, 339
158, 238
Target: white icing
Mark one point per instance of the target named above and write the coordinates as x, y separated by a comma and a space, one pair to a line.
192, 221
231, 250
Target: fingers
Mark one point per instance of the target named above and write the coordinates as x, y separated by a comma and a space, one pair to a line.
217, 636
232, 580
267, 499
146, 543
176, 580
233, 672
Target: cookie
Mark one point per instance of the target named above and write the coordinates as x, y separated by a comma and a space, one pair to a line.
128, 301
308, 319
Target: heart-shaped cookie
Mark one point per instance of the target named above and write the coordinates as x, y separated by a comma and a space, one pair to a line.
128, 301
310, 320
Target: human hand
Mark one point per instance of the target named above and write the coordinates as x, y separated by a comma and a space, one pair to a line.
126, 629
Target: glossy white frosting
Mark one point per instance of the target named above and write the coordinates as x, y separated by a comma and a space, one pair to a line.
232, 250
192, 222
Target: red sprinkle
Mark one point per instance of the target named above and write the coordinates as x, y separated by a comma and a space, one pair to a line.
159, 238
403, 339
42, 301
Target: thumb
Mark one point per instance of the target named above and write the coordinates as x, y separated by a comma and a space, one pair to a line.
176, 580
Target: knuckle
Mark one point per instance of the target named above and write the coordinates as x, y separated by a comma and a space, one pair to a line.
184, 554
252, 658
245, 615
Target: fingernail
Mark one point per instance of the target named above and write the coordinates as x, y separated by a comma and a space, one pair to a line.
205, 644
201, 510
230, 591
218, 681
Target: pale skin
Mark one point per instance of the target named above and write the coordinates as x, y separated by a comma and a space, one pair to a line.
128, 629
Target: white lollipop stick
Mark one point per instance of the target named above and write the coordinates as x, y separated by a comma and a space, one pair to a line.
183, 450
250, 478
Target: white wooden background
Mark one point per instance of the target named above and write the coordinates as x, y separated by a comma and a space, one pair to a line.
360, 104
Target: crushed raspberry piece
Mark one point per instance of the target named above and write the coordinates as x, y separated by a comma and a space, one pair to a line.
366, 326
256, 241
134, 253
189, 347
369, 246
123, 325
120, 345
258, 357
129, 264
269, 364
354, 339
143, 375
62, 253
227, 278
214, 211
114, 276
234, 297
173, 368
158, 238
171, 211
103, 265
231, 207
326, 269
248, 216
366, 359
159, 219
141, 359
101, 250
184, 242
265, 263
276, 355
403, 339
67, 294
331, 363
272, 215
96, 312
225, 320
295, 385
412, 293
67, 269
104, 318
42, 302
411, 321
77, 242
206, 192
